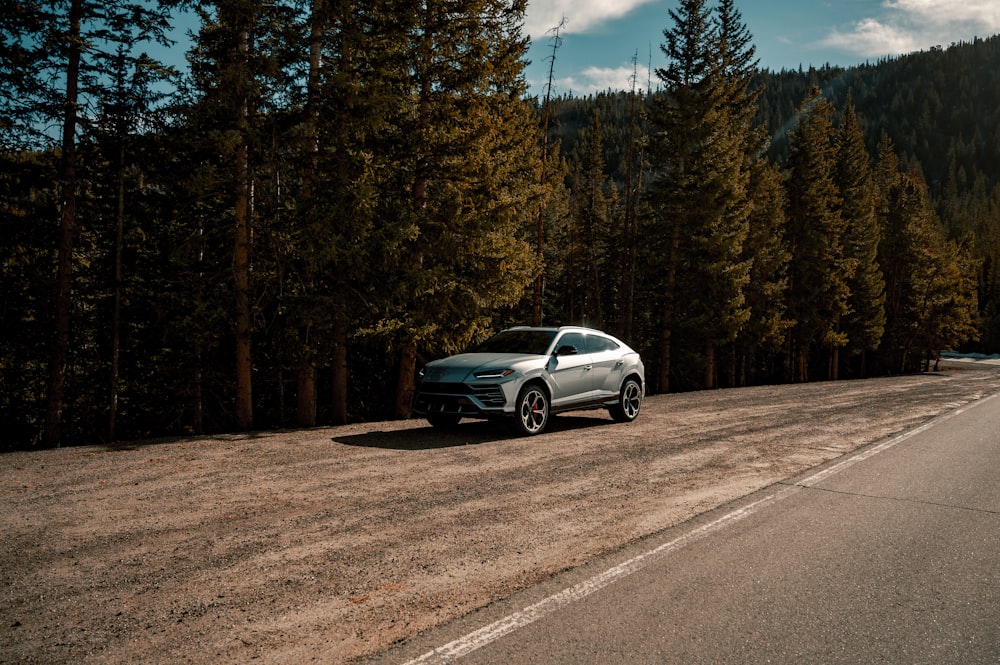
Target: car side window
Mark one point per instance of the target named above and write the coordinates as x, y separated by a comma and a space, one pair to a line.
575, 340
598, 344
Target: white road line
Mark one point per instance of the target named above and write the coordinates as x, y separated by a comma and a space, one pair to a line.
494, 631
820, 476
532, 613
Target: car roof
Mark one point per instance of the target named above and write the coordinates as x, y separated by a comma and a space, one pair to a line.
559, 328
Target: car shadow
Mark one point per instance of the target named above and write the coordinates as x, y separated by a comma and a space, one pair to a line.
466, 433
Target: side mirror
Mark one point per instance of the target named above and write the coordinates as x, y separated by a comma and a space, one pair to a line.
566, 350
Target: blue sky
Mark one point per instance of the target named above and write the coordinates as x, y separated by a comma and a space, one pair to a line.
601, 37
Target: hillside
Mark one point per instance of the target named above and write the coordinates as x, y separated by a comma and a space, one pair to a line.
940, 109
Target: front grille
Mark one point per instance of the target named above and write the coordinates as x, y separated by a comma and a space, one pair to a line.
444, 388
458, 397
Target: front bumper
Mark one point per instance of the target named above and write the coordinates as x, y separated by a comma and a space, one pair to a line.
468, 400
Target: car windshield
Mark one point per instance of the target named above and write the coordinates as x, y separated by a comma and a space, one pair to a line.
528, 342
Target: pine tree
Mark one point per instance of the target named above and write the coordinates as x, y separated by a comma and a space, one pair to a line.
931, 282
676, 130
766, 292
865, 321
700, 191
236, 71
819, 269
67, 230
466, 158
353, 98
950, 305
588, 234
736, 67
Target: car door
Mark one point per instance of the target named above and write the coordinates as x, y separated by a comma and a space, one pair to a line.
607, 364
571, 372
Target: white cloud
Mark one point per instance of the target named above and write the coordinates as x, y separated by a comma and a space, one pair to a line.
911, 25
599, 79
871, 37
983, 15
581, 15
592, 80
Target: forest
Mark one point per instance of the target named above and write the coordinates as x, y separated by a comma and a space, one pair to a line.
332, 193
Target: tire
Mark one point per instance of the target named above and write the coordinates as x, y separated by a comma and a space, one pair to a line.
532, 410
629, 402
443, 420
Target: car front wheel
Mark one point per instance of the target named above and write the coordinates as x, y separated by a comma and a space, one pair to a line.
532, 413
629, 402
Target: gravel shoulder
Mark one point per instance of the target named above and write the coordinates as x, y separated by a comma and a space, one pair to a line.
331, 544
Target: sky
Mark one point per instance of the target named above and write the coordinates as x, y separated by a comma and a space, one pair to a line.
602, 38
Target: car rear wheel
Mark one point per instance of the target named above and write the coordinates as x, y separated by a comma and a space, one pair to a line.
532, 413
629, 402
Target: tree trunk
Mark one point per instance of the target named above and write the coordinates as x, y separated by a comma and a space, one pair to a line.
52, 435
116, 317
241, 251
663, 383
305, 396
241, 274
668, 311
709, 378
340, 333
305, 393
802, 366
405, 382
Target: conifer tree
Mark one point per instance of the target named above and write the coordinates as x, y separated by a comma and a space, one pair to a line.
467, 158
931, 283
634, 183
736, 66
305, 386
354, 96
587, 238
676, 131
235, 28
236, 72
67, 228
766, 292
865, 321
950, 303
819, 269
700, 191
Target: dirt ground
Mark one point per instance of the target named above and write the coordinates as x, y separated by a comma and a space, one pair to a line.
331, 544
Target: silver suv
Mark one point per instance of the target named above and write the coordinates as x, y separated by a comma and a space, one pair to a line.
529, 373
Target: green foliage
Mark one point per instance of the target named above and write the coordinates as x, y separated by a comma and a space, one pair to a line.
931, 282
864, 322
702, 148
760, 340
585, 290
819, 269
465, 173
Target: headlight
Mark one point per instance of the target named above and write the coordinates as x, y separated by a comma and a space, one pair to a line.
492, 373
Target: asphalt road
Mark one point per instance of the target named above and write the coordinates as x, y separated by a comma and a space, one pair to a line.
888, 555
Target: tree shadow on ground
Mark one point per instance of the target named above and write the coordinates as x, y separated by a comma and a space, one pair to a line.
466, 433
